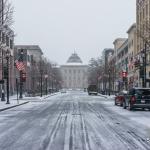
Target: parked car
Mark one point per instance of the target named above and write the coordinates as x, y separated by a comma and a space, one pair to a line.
92, 89
119, 99
137, 98
63, 91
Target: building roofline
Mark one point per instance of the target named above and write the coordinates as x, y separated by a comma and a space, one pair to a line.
131, 27
122, 39
29, 47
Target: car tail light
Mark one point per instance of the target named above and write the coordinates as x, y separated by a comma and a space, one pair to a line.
133, 99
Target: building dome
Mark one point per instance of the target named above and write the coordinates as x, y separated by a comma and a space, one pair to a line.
74, 58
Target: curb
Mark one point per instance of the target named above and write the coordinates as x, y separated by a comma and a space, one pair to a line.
103, 96
50, 96
13, 106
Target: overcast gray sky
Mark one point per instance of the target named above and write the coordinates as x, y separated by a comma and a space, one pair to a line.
61, 26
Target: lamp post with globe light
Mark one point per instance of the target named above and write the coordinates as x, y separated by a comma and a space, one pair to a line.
7, 59
46, 77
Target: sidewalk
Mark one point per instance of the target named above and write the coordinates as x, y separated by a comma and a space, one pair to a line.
106, 96
14, 102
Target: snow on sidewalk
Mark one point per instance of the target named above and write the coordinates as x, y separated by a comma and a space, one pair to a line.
106, 96
14, 102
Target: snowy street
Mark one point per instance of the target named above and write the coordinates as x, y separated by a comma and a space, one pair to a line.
74, 121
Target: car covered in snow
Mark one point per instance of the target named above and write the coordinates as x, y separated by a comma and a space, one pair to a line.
92, 89
137, 98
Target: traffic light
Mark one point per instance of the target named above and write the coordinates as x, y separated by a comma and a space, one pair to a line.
124, 74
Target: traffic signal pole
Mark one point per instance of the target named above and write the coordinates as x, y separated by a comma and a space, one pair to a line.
21, 85
144, 66
21, 73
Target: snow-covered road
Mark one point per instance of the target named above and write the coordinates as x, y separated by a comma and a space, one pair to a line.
73, 121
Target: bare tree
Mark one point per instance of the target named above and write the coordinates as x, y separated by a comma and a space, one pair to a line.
6, 13
94, 70
6, 20
6, 34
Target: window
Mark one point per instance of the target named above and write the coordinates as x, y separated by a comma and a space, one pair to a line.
70, 71
28, 57
65, 71
7, 40
3, 38
11, 44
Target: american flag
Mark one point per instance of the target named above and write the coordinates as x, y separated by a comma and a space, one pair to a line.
19, 65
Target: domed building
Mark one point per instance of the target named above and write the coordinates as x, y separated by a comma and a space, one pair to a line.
74, 73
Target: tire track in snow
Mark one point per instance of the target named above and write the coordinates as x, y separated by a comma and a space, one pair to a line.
122, 132
50, 136
85, 136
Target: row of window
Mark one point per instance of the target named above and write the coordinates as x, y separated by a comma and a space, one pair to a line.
130, 43
72, 71
143, 12
75, 78
74, 84
30, 58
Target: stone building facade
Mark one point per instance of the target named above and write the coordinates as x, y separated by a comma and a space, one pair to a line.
32, 59
133, 70
143, 35
74, 73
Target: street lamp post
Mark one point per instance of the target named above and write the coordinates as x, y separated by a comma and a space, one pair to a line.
41, 72
3, 91
21, 82
7, 58
109, 80
46, 77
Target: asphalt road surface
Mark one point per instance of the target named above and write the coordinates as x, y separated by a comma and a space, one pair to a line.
71, 121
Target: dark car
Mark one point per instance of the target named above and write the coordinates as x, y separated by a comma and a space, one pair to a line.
137, 98
119, 99
92, 89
